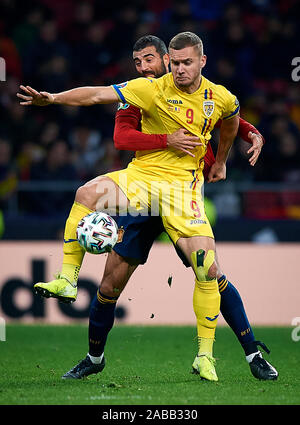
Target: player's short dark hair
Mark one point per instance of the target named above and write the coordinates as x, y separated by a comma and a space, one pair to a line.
186, 39
151, 40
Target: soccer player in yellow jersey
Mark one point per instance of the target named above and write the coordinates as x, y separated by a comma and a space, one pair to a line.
170, 179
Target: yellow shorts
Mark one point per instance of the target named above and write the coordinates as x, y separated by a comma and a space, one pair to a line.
174, 195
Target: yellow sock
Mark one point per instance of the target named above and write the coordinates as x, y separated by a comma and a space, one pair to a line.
206, 303
70, 272
205, 346
73, 252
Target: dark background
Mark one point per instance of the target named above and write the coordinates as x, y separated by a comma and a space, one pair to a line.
46, 153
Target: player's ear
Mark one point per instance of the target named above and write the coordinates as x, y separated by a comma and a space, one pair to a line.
166, 59
203, 59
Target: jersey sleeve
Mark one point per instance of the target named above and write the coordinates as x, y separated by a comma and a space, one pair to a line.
128, 113
244, 129
127, 133
138, 92
231, 106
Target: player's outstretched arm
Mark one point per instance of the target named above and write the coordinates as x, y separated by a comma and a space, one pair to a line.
81, 96
228, 132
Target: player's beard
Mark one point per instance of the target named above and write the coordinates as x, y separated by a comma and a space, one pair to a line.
162, 71
158, 72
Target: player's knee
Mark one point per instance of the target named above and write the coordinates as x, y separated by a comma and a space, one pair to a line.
204, 265
80, 195
107, 288
86, 195
207, 273
212, 272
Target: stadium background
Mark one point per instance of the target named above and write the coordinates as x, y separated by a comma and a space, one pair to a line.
45, 154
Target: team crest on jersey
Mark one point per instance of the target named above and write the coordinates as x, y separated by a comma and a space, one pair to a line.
208, 107
123, 106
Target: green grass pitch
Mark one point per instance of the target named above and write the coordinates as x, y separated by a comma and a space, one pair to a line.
145, 366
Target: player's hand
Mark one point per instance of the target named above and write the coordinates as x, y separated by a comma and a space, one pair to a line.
33, 97
217, 172
257, 144
183, 140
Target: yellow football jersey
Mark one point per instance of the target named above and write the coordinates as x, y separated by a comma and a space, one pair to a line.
165, 109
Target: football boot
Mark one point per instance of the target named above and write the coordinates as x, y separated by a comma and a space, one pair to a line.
60, 288
204, 365
84, 368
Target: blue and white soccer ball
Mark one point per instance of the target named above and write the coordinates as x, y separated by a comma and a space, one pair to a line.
97, 233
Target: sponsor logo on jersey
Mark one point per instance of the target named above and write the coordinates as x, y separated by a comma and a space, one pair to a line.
175, 101
208, 107
197, 221
123, 106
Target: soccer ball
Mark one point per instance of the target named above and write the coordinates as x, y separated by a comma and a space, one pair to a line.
97, 233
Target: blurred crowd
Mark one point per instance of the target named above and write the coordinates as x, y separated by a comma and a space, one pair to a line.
54, 45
